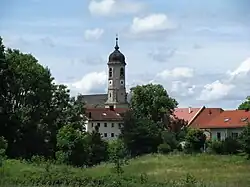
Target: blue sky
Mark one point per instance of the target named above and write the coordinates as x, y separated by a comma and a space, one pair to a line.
199, 50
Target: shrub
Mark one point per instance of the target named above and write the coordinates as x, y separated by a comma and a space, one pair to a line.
245, 140
164, 148
169, 138
116, 149
216, 147
231, 146
195, 140
3, 147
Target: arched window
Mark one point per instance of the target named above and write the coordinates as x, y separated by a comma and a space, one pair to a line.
122, 72
110, 72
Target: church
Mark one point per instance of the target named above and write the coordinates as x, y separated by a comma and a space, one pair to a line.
105, 110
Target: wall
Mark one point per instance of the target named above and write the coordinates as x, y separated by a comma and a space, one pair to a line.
224, 132
90, 126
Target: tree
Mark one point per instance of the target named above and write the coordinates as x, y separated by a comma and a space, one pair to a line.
79, 148
140, 135
152, 101
195, 140
28, 101
72, 146
98, 148
245, 105
245, 140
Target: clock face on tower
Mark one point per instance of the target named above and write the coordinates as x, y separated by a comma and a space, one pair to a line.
110, 82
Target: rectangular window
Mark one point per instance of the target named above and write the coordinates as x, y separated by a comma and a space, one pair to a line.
105, 134
112, 134
218, 136
105, 125
235, 135
112, 124
98, 124
92, 124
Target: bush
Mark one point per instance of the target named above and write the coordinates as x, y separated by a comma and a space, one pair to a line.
195, 140
216, 147
3, 147
227, 146
169, 138
164, 148
231, 146
116, 149
245, 140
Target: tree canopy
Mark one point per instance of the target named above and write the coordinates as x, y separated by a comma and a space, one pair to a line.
245, 105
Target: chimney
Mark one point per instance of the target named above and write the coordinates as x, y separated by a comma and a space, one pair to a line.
111, 107
89, 114
189, 110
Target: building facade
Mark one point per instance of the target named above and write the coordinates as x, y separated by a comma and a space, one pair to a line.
105, 110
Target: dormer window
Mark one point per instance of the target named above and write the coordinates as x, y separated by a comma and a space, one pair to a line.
243, 119
226, 119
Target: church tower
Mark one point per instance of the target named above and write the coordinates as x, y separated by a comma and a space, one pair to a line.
117, 96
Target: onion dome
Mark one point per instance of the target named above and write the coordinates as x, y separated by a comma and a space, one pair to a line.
116, 56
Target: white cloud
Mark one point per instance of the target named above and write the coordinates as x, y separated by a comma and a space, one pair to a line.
215, 91
151, 23
243, 69
112, 7
233, 87
178, 72
94, 82
93, 34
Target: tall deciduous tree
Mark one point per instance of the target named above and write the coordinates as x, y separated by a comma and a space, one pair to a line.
245, 105
29, 97
152, 101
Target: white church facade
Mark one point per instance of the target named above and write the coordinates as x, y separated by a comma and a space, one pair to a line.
105, 110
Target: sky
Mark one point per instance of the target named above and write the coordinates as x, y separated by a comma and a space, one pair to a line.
198, 50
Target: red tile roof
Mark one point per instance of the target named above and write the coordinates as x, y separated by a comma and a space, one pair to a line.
205, 115
229, 119
186, 113
105, 114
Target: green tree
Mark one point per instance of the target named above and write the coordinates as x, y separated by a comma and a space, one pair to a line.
245, 105
28, 101
140, 135
98, 148
195, 140
152, 101
245, 140
72, 146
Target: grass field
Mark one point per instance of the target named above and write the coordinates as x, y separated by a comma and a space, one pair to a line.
210, 170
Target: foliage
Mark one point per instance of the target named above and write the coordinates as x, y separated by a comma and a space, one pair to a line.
116, 150
245, 105
152, 101
164, 148
216, 146
169, 139
140, 136
147, 171
195, 140
3, 147
245, 140
231, 145
78, 148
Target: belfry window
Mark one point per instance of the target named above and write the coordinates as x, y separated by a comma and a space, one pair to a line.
110, 72
122, 72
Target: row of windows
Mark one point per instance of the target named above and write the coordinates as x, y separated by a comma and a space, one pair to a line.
233, 135
106, 135
111, 72
106, 125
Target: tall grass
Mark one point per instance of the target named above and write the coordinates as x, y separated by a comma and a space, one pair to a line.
150, 170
